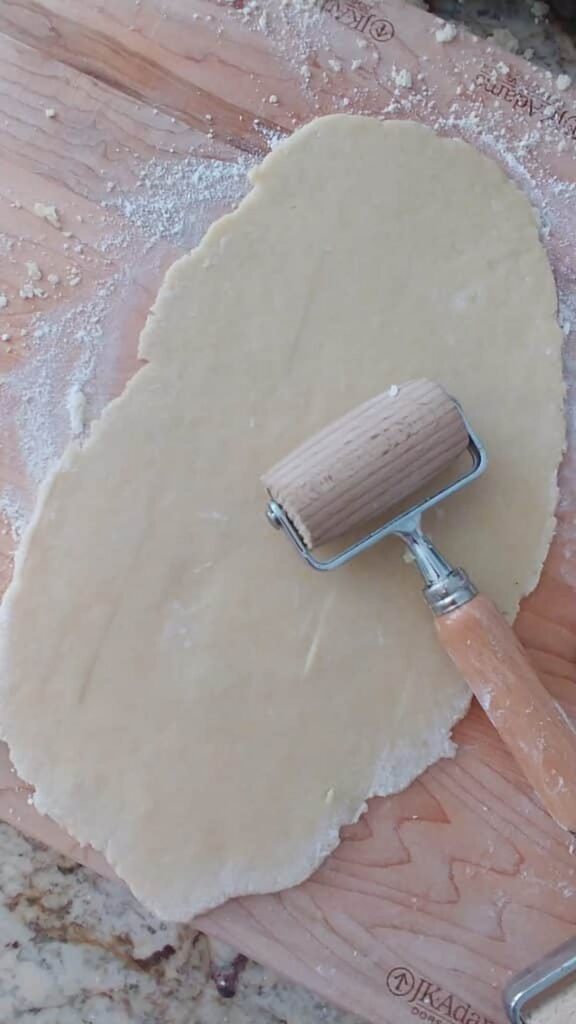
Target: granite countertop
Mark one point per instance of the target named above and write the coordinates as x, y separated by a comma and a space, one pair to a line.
525, 27
77, 948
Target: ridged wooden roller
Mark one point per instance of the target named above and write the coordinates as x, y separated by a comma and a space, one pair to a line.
368, 461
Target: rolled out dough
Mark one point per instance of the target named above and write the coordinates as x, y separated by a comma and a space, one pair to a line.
182, 691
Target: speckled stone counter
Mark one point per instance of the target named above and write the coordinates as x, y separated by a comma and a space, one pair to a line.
78, 949
526, 27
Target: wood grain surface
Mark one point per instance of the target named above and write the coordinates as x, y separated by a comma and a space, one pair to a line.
437, 895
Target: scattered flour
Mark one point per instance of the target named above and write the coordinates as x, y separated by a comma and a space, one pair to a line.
13, 511
297, 27
70, 352
402, 77
48, 213
76, 405
34, 272
446, 33
163, 205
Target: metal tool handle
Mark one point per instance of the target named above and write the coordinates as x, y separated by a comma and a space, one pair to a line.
542, 978
534, 728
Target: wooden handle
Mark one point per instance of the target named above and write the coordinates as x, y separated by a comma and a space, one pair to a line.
491, 659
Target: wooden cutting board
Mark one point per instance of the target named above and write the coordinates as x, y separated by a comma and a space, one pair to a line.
437, 895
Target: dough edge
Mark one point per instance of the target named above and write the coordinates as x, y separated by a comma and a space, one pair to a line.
440, 744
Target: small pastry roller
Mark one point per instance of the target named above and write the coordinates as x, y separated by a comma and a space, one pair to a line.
368, 462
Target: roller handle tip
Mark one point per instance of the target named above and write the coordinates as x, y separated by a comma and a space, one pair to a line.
535, 729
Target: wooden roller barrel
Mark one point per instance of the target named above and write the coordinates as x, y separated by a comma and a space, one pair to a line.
368, 461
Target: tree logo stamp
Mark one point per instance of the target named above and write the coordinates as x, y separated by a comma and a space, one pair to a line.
360, 16
430, 1003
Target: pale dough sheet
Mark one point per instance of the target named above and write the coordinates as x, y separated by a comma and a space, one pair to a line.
183, 692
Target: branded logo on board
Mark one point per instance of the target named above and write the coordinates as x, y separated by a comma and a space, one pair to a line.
430, 1003
362, 17
527, 98
401, 981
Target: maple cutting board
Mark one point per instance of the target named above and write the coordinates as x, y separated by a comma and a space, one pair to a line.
437, 895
